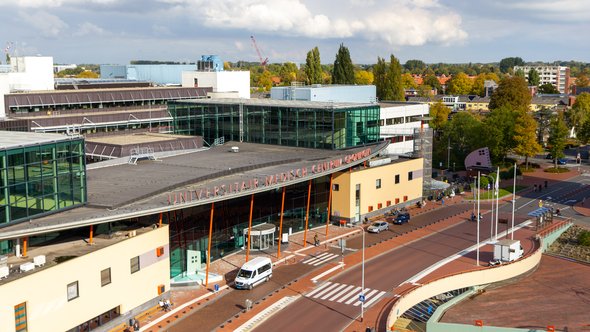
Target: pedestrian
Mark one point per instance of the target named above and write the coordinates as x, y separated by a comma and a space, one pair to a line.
442, 201
540, 187
316, 240
545, 183
136, 326
535, 187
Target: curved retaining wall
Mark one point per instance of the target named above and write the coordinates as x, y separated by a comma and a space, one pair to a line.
463, 279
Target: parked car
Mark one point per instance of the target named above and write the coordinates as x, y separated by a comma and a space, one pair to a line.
378, 226
561, 161
549, 156
402, 218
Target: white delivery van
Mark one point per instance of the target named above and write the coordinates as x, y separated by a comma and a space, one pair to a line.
507, 250
254, 272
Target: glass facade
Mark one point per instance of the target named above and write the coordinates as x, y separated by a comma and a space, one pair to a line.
309, 127
41, 179
189, 228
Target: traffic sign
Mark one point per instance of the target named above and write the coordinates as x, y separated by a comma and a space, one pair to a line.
362, 298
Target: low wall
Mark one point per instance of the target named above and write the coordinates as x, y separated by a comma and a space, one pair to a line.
464, 279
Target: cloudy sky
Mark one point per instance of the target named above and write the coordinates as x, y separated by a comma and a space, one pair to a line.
457, 31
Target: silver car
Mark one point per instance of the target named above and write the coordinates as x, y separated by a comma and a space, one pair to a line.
378, 226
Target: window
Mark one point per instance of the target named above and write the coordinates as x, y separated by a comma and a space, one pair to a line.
378, 183
73, 290
134, 264
396, 178
410, 176
389, 122
335, 187
20, 317
105, 277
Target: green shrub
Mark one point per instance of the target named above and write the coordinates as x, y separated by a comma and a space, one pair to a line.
584, 238
557, 170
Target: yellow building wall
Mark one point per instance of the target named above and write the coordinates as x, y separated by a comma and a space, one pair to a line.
45, 292
343, 200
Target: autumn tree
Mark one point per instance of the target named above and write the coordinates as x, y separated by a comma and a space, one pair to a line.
478, 84
533, 77
557, 137
313, 67
288, 73
87, 74
431, 80
363, 77
343, 71
265, 81
460, 84
439, 114
512, 92
525, 137
498, 130
580, 111
582, 81
408, 81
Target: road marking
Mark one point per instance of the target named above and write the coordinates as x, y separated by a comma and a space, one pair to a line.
570, 201
339, 266
377, 297
353, 292
367, 296
327, 289
333, 291
341, 292
322, 286
355, 296
318, 260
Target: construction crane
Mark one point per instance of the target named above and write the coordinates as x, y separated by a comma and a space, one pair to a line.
264, 62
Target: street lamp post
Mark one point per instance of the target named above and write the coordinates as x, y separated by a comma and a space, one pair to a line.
363, 275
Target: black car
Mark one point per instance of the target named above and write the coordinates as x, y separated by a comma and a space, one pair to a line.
402, 218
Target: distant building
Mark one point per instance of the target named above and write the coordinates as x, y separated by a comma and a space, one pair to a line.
489, 86
225, 84
558, 76
157, 74
326, 93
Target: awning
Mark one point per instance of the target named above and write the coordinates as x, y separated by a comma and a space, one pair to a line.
539, 212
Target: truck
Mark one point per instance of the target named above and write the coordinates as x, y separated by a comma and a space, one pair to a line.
507, 250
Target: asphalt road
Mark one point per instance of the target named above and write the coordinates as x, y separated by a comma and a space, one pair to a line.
322, 311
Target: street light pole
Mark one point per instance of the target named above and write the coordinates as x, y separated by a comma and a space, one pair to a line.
449, 153
513, 203
478, 219
363, 275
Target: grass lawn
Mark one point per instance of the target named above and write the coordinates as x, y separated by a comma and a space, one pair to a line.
489, 194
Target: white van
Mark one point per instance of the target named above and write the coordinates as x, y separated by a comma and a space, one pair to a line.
254, 272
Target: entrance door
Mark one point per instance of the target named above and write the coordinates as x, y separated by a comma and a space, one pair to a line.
193, 261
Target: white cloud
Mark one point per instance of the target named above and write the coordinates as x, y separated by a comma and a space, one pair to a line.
397, 22
47, 24
563, 10
88, 28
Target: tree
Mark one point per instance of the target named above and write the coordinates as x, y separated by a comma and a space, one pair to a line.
424, 90
477, 87
343, 72
582, 81
519, 73
394, 76
388, 79
87, 74
557, 137
512, 92
580, 111
313, 67
408, 81
439, 114
415, 66
265, 81
498, 133
548, 88
507, 64
583, 133
525, 137
534, 77
288, 73
462, 133
363, 77
460, 84
431, 80
380, 74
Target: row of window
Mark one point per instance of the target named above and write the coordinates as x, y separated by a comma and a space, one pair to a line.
336, 187
394, 121
105, 278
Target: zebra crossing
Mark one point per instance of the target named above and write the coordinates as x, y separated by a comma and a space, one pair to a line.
343, 293
320, 259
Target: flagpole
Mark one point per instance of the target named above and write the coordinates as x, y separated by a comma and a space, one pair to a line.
492, 212
513, 203
478, 219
